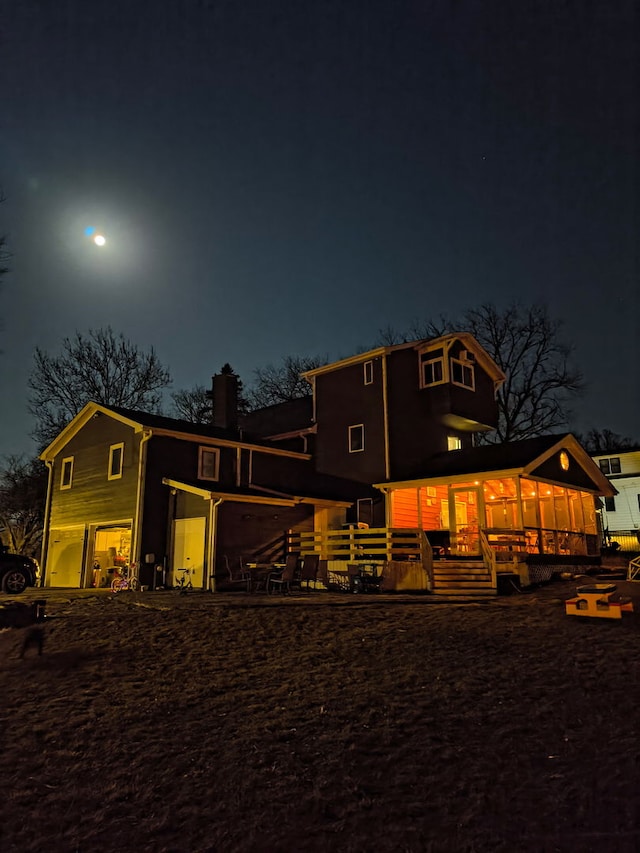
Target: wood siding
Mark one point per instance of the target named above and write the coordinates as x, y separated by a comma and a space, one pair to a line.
93, 497
343, 400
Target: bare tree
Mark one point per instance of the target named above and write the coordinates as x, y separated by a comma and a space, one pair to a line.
193, 405
605, 441
527, 345
281, 383
102, 367
23, 489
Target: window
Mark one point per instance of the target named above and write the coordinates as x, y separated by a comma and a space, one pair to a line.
454, 442
638, 501
356, 438
432, 370
208, 463
610, 504
610, 466
66, 474
368, 372
116, 453
462, 374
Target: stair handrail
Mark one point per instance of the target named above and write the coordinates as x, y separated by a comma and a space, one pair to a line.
427, 560
489, 557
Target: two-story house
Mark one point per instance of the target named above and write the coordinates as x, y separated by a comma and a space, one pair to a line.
384, 445
405, 418
621, 512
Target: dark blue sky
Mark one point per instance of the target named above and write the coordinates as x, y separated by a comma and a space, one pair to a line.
279, 178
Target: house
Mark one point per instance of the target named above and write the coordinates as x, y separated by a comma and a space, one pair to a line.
128, 486
379, 463
621, 512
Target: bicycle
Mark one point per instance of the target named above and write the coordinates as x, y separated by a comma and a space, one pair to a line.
127, 580
183, 584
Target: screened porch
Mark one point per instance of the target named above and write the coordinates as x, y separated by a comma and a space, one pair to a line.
514, 514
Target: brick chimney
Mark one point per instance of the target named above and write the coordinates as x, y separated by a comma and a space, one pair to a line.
224, 396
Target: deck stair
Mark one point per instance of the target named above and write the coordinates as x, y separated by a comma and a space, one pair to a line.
462, 579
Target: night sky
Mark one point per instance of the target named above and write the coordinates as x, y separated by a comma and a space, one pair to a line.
288, 177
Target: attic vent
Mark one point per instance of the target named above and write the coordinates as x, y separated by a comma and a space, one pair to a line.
465, 355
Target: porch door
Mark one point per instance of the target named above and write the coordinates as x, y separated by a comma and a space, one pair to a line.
464, 521
188, 549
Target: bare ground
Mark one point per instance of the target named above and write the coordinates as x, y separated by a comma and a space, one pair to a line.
155, 722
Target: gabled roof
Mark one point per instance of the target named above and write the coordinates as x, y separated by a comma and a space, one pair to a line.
526, 457
469, 342
159, 425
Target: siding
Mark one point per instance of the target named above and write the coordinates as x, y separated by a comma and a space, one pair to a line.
92, 497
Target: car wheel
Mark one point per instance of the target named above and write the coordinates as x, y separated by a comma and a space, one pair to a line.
14, 582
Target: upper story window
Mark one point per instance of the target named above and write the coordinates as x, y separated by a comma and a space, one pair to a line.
454, 442
610, 504
462, 373
66, 474
610, 466
116, 454
368, 372
356, 438
208, 463
431, 369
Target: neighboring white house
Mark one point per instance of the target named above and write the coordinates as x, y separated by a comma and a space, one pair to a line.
621, 514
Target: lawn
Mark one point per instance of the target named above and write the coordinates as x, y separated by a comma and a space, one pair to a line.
155, 722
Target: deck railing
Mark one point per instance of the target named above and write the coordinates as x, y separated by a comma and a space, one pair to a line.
371, 544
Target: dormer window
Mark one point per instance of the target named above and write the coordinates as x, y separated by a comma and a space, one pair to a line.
462, 373
431, 369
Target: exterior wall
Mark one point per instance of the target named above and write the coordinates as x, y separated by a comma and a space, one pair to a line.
420, 420
626, 516
343, 400
92, 495
417, 416
91, 500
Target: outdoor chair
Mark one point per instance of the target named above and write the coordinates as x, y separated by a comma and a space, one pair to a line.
238, 575
286, 578
309, 569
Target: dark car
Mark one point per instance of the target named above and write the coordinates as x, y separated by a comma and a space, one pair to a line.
17, 572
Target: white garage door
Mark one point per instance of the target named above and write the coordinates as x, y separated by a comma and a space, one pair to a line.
65, 557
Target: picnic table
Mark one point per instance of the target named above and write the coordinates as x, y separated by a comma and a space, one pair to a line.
596, 600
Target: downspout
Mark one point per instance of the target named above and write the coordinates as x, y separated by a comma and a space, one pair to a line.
213, 521
142, 459
385, 410
47, 520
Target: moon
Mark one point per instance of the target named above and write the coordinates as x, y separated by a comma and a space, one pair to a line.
99, 240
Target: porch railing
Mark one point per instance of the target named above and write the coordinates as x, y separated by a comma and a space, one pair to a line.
374, 543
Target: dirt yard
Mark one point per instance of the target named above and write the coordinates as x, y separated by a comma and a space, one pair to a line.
232, 723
